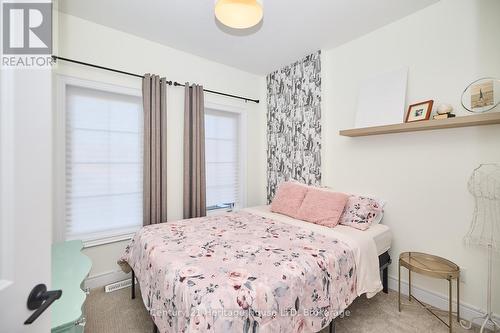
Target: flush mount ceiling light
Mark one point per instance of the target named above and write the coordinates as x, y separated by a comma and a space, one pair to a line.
239, 14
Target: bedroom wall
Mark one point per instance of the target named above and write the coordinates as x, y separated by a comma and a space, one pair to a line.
422, 176
86, 41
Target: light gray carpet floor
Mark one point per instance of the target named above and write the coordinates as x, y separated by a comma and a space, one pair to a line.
116, 313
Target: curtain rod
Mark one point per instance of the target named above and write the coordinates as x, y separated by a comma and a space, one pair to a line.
174, 83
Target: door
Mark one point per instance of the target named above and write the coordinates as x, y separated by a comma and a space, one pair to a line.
25, 194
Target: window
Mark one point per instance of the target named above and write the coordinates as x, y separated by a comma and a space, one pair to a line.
223, 152
103, 163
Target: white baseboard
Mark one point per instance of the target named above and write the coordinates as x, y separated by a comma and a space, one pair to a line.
100, 280
439, 301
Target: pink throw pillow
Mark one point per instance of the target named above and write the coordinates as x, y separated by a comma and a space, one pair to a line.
288, 198
322, 207
361, 212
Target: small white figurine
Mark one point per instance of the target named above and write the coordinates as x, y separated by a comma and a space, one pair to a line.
444, 108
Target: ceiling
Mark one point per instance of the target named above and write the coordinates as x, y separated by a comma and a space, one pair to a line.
290, 29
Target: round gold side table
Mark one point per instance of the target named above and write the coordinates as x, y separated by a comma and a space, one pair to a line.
435, 267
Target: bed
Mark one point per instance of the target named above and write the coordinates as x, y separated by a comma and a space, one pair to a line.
379, 234
254, 271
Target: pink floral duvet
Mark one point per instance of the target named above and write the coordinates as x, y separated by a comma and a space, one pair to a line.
240, 272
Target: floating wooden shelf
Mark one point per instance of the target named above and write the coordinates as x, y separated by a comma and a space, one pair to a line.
426, 125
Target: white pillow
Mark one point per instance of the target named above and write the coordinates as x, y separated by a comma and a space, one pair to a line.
380, 215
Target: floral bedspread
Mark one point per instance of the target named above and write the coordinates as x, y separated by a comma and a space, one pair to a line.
240, 272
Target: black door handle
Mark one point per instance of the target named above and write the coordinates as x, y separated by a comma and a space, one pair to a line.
40, 299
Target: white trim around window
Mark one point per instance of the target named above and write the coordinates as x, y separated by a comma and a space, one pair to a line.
60, 159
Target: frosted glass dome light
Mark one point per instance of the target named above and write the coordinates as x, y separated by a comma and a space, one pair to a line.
239, 14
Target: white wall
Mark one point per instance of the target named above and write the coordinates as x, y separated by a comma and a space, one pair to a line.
423, 176
89, 42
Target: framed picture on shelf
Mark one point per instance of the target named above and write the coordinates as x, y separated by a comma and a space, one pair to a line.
420, 111
482, 94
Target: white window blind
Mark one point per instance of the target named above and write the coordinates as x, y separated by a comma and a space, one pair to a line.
103, 163
222, 147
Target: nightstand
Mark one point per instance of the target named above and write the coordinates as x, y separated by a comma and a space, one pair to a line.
435, 267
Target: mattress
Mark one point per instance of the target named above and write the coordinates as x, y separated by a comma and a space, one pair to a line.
382, 236
380, 233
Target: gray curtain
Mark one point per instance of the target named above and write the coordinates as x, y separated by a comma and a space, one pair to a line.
154, 96
194, 152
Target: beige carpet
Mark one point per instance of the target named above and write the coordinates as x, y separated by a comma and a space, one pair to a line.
116, 313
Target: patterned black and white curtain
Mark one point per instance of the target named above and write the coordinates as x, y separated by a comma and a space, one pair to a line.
294, 123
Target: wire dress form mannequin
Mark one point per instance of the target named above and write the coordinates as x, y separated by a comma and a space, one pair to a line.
484, 185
